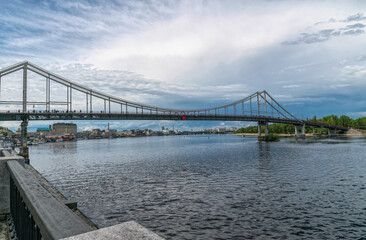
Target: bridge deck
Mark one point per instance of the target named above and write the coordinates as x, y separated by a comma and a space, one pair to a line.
18, 116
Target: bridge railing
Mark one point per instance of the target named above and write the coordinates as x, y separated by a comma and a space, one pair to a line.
133, 112
35, 212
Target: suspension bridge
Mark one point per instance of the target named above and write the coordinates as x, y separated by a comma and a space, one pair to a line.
259, 107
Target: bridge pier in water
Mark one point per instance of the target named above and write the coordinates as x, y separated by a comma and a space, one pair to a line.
266, 131
259, 130
302, 134
24, 148
264, 137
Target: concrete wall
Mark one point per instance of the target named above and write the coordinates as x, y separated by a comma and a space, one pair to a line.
6, 155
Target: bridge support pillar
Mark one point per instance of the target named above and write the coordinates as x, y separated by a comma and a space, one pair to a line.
259, 130
302, 134
24, 148
328, 131
335, 131
320, 131
313, 131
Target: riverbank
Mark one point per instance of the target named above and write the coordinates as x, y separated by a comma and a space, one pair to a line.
278, 134
351, 133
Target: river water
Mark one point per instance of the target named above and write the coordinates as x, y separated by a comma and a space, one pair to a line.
215, 186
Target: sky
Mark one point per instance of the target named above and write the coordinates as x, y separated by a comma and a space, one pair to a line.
309, 55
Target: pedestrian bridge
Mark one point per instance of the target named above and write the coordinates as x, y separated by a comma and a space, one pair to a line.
259, 107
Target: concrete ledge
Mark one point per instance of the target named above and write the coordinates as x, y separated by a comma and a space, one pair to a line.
4, 180
124, 231
53, 218
57, 194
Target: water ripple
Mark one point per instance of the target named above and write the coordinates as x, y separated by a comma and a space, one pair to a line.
224, 187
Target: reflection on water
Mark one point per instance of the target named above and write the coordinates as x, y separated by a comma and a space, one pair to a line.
222, 187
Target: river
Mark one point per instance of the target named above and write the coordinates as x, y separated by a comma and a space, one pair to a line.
215, 186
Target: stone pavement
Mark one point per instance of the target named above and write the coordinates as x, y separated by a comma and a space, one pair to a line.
3, 230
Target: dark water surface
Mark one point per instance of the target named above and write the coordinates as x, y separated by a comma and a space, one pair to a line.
217, 186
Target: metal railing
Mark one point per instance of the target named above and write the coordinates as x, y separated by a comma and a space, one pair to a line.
24, 224
36, 213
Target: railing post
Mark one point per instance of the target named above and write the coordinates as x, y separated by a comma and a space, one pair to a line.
109, 107
87, 103
272, 107
265, 105
251, 112
25, 88
91, 103
47, 93
259, 113
70, 97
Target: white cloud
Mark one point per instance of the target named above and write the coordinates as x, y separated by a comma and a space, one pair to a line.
199, 39
291, 86
357, 114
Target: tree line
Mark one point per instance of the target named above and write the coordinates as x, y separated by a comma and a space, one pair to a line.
345, 121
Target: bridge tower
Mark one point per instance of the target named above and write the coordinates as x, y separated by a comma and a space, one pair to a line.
24, 151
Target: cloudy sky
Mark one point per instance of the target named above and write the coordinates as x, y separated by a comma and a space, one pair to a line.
309, 55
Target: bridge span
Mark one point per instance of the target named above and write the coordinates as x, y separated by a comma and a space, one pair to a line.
74, 116
259, 107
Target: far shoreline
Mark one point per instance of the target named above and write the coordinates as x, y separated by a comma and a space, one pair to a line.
306, 135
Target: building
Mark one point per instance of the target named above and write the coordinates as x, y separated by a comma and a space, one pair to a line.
5, 132
65, 128
44, 131
221, 130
